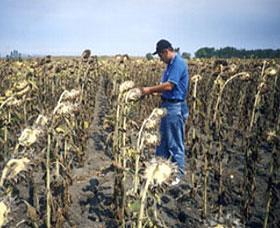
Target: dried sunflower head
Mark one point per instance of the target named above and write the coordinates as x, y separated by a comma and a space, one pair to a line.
196, 77
270, 71
233, 68
21, 85
160, 171
29, 136
14, 167
133, 95
219, 82
65, 108
4, 211
151, 139
245, 77
127, 85
272, 136
263, 88
70, 95
41, 121
160, 112
151, 123
14, 102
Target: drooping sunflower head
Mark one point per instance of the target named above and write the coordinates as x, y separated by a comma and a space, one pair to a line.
4, 211
29, 136
160, 171
13, 168
126, 86
133, 95
160, 112
271, 71
151, 139
196, 77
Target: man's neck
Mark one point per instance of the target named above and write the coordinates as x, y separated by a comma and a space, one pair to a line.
172, 56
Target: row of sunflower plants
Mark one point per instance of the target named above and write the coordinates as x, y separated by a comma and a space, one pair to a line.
54, 127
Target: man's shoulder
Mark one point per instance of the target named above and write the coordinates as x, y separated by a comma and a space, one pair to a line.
179, 61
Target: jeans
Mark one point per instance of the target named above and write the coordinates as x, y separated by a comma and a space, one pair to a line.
172, 134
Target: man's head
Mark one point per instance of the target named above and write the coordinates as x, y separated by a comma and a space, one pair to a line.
164, 50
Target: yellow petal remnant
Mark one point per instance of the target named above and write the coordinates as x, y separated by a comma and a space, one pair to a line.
4, 210
219, 226
159, 171
70, 95
12, 168
271, 71
196, 77
86, 124
151, 139
160, 112
41, 121
29, 136
65, 108
245, 77
133, 95
151, 123
126, 86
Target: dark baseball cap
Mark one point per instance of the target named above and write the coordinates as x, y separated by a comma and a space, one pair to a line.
161, 45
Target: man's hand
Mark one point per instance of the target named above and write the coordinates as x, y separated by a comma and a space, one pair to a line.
166, 86
146, 90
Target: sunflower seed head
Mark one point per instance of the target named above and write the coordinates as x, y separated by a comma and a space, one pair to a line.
233, 68
196, 77
133, 95
29, 136
4, 211
21, 85
270, 71
126, 86
263, 88
245, 77
160, 112
65, 108
13, 168
219, 82
14, 102
70, 95
160, 171
272, 136
219, 226
151, 139
152, 123
41, 121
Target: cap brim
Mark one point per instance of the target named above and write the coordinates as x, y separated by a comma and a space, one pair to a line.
154, 53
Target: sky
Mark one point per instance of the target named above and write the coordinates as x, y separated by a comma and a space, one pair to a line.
109, 27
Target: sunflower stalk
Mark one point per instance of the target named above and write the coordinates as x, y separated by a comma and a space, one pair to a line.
251, 152
143, 200
206, 153
268, 204
217, 123
193, 156
48, 184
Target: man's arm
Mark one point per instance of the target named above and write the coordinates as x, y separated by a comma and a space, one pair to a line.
166, 86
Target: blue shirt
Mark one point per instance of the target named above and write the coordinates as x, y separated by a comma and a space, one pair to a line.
176, 72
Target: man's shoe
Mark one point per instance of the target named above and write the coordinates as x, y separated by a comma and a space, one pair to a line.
175, 182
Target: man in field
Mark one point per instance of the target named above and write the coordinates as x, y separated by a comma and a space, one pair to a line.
173, 89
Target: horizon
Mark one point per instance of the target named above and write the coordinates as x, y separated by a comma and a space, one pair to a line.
66, 28
26, 55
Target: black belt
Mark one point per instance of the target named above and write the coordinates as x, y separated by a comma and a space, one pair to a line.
171, 100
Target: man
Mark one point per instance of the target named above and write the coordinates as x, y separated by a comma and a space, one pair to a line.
173, 89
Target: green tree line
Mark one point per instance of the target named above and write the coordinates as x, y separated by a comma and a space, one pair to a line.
231, 52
